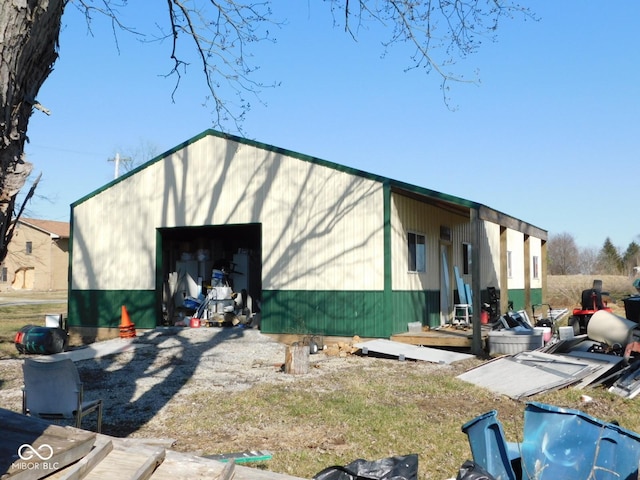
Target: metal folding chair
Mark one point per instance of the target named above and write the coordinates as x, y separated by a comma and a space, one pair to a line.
53, 391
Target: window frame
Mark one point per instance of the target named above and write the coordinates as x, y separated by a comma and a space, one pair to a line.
416, 263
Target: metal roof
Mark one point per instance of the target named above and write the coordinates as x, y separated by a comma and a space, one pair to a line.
440, 199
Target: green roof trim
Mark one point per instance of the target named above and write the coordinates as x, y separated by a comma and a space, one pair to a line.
395, 185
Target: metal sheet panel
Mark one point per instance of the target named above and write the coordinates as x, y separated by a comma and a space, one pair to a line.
530, 373
322, 228
413, 352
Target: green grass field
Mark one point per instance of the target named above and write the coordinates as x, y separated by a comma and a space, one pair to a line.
15, 313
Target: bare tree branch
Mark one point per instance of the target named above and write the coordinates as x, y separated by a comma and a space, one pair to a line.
441, 32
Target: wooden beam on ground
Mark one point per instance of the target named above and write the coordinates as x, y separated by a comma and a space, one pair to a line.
228, 471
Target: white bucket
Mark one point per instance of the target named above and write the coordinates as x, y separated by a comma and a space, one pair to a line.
565, 333
608, 328
545, 332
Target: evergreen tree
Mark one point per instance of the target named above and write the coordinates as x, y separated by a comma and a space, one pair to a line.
631, 257
609, 259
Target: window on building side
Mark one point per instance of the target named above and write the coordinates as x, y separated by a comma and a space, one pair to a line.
3, 275
466, 258
536, 270
29, 248
417, 252
509, 265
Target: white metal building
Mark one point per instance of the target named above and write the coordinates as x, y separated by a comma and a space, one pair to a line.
325, 249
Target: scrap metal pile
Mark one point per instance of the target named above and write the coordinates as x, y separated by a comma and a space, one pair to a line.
596, 348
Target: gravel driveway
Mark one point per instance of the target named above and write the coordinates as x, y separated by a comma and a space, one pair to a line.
167, 365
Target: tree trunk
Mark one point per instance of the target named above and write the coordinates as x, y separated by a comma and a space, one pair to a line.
296, 361
29, 31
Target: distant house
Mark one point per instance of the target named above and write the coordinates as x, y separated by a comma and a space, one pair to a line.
38, 256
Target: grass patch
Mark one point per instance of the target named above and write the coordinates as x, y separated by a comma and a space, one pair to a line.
383, 409
376, 409
380, 409
15, 314
564, 291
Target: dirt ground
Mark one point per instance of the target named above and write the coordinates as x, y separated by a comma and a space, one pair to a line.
168, 365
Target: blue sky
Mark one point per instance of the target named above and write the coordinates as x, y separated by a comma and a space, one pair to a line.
550, 135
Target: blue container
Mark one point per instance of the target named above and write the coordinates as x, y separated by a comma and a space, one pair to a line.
489, 448
561, 443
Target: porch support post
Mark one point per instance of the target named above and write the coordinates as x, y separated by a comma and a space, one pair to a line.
476, 287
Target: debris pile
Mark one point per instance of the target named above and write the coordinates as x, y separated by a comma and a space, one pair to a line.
596, 348
557, 443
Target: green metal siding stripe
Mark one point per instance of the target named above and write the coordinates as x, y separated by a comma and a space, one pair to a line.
536, 296
516, 295
346, 313
103, 308
339, 313
388, 279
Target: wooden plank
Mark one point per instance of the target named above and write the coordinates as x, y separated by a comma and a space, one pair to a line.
439, 338
80, 469
228, 471
31, 448
177, 465
180, 465
128, 464
145, 470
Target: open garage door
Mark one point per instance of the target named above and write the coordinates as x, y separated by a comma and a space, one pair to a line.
191, 255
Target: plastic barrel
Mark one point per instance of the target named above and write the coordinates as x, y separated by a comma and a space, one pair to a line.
489, 448
606, 327
562, 443
632, 308
42, 340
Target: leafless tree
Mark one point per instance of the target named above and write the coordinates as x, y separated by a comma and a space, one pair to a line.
220, 34
588, 260
563, 254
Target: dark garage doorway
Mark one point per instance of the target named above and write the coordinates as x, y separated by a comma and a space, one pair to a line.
197, 251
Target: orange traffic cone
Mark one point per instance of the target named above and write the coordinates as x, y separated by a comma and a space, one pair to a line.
127, 327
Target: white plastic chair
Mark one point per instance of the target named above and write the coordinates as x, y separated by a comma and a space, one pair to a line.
53, 391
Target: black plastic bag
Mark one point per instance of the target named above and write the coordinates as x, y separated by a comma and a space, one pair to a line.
472, 471
392, 468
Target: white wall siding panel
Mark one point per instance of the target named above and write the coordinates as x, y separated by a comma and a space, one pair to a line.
535, 250
321, 228
408, 215
515, 245
490, 261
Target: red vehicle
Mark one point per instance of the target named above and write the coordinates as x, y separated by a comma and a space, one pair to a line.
591, 302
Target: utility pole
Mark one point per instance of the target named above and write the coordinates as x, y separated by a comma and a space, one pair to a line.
117, 160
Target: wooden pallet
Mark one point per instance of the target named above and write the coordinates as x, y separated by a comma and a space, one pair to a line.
31, 449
